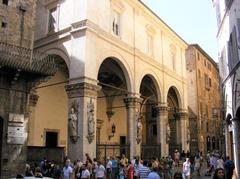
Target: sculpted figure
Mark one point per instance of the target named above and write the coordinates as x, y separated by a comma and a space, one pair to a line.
73, 122
139, 130
168, 132
91, 122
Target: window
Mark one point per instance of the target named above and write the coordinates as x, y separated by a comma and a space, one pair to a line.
209, 66
210, 82
5, 2
52, 20
173, 58
149, 45
199, 74
116, 23
4, 25
207, 81
198, 57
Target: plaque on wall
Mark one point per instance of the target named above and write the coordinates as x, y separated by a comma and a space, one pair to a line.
15, 135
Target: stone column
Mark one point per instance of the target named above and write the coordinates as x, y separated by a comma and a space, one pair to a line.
134, 134
33, 99
82, 120
236, 142
185, 132
162, 122
227, 141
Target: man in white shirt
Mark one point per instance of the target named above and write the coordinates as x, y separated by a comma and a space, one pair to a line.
109, 168
100, 171
67, 170
85, 172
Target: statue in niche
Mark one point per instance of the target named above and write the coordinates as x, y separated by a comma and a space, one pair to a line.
168, 133
73, 122
188, 135
139, 129
91, 121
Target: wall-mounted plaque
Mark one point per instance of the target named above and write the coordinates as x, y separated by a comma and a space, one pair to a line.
15, 135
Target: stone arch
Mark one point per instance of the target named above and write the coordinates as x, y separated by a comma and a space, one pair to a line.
61, 53
113, 77
178, 95
125, 67
150, 93
51, 96
154, 79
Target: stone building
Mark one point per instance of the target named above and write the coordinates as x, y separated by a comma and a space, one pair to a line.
122, 85
204, 99
21, 69
228, 35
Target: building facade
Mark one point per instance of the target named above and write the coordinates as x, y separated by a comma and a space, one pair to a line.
204, 98
122, 83
21, 69
228, 19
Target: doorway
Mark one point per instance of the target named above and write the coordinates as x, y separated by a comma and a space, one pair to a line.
51, 139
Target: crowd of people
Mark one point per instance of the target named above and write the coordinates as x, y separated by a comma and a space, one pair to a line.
178, 166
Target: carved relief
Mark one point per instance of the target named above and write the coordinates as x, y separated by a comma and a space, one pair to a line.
73, 121
90, 121
168, 133
139, 127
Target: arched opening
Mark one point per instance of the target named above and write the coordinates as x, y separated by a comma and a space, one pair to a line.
174, 121
149, 115
48, 125
112, 129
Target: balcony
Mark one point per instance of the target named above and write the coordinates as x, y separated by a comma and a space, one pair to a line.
28, 60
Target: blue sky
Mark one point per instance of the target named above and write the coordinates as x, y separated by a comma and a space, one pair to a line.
193, 20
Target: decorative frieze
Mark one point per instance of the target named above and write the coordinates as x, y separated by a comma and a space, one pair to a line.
82, 90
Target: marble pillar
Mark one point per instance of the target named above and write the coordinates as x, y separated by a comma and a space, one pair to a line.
134, 124
185, 131
82, 120
162, 122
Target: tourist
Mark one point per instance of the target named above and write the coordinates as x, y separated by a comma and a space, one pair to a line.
219, 174
67, 170
186, 169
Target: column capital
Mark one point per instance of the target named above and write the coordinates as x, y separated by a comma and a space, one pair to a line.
132, 101
183, 113
82, 89
162, 108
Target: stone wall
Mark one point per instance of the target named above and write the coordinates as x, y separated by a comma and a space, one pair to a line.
17, 22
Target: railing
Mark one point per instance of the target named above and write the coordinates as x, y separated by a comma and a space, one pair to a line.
113, 150
26, 59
